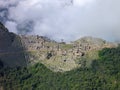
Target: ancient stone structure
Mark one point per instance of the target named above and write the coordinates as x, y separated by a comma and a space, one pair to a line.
46, 49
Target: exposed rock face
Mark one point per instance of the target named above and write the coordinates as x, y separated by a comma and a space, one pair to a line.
22, 50
10, 47
5, 37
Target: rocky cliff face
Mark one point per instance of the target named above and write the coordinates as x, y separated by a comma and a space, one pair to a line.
6, 38
10, 48
22, 50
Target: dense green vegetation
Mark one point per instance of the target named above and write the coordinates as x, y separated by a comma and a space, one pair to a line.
104, 74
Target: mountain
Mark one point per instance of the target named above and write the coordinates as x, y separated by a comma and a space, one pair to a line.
62, 56
25, 50
10, 48
32, 62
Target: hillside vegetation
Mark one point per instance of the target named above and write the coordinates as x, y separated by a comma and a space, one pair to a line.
104, 74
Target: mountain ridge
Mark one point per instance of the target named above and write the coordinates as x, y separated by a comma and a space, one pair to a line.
25, 50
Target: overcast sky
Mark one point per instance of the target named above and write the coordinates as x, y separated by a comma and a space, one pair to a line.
63, 19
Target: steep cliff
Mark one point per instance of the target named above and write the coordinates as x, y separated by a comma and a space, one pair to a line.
10, 48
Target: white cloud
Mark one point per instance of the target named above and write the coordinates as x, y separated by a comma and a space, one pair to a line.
12, 26
82, 2
6, 3
60, 19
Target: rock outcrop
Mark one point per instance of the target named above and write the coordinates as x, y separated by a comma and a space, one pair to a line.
10, 48
6, 38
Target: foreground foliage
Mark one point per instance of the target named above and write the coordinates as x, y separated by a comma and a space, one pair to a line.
104, 74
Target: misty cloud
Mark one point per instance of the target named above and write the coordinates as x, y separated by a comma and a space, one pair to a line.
25, 27
63, 19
